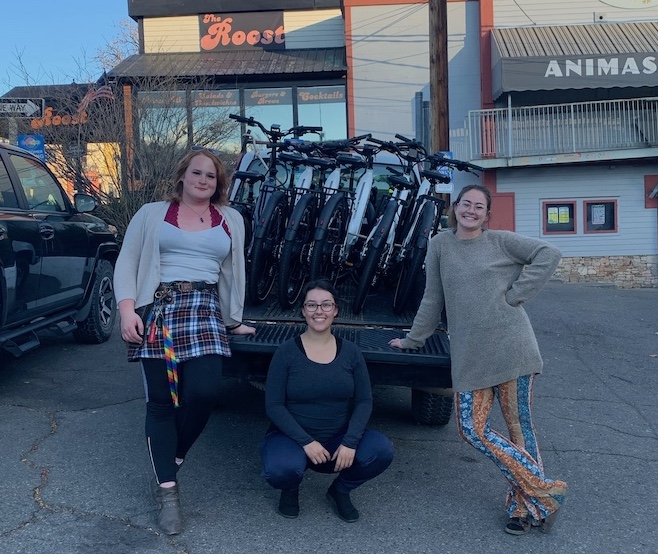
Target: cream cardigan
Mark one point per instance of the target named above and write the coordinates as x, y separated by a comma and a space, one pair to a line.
137, 271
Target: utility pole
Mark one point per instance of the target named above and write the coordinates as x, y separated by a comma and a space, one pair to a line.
438, 46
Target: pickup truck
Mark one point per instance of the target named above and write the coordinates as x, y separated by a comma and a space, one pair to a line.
56, 259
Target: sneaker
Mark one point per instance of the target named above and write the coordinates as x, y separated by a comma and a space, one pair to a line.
289, 503
167, 502
342, 504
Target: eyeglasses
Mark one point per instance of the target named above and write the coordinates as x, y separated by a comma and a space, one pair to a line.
325, 306
202, 148
476, 207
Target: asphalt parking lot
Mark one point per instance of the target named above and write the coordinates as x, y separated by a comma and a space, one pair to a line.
74, 471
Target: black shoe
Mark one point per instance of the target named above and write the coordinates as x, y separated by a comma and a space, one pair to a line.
342, 504
517, 526
289, 503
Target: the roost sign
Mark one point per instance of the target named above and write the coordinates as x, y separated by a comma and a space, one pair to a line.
241, 31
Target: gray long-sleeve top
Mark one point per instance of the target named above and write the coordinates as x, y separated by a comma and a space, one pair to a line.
311, 401
482, 283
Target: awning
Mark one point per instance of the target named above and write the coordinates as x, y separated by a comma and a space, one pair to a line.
234, 63
601, 55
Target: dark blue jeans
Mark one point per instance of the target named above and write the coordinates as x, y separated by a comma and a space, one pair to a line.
284, 460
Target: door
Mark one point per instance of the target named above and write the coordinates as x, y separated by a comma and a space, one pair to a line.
65, 268
20, 255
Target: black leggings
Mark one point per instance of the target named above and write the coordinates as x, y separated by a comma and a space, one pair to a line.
170, 431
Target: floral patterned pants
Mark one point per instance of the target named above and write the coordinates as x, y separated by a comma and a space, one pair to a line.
532, 495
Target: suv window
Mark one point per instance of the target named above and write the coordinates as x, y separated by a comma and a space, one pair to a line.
41, 191
7, 194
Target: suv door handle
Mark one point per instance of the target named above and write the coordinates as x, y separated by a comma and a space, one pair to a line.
3, 232
46, 231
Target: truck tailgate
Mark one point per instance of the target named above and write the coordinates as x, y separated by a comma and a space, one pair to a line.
426, 367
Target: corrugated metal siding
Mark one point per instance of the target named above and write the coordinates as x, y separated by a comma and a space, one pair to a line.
636, 224
577, 40
314, 29
171, 34
508, 13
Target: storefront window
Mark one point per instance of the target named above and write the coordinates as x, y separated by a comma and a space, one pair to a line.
211, 125
324, 106
270, 106
162, 118
600, 216
559, 217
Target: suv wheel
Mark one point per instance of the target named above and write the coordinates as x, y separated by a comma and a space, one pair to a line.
97, 326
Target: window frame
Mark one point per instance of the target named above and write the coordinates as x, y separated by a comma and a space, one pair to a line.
558, 203
588, 203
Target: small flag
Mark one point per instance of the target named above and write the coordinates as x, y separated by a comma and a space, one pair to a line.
93, 94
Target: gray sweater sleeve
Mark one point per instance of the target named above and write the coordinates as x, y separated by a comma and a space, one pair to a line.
540, 259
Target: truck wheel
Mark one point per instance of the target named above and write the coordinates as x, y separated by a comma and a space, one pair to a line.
430, 408
97, 326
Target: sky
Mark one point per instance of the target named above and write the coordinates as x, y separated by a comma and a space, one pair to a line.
56, 39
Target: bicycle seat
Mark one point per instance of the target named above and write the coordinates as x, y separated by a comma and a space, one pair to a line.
320, 163
350, 159
252, 176
400, 182
434, 175
292, 157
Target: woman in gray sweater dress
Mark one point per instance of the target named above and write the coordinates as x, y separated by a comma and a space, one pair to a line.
482, 277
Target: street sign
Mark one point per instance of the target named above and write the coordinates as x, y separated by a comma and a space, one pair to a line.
445, 188
22, 107
34, 144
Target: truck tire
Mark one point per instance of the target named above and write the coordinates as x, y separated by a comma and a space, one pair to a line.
430, 408
97, 326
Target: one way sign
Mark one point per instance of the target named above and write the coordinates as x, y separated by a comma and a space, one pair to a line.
21, 107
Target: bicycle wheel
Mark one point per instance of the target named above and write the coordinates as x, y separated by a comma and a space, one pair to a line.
267, 238
329, 236
293, 265
410, 280
376, 250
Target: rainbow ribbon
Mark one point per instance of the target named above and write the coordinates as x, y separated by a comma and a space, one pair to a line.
172, 363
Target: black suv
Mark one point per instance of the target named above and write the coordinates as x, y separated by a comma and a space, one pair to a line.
56, 260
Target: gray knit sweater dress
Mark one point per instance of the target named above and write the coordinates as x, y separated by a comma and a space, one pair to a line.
482, 282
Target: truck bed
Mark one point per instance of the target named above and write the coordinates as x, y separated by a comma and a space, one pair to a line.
371, 330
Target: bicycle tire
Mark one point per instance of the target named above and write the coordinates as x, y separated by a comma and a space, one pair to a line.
293, 268
332, 225
267, 237
411, 272
376, 249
